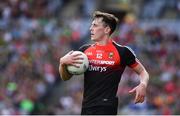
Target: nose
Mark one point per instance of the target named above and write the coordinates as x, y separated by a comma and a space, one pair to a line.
90, 28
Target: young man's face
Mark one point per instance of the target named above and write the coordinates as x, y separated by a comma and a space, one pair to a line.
98, 30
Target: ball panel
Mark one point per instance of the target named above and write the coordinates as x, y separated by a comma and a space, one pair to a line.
82, 67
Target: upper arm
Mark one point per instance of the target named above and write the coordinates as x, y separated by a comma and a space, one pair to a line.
139, 67
130, 57
132, 61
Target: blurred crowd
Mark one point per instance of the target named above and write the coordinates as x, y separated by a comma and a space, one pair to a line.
34, 34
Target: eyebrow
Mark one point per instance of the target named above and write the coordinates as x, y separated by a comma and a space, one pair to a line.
93, 23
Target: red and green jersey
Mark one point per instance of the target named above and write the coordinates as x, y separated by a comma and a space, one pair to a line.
106, 65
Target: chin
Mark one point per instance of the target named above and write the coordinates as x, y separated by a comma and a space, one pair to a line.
93, 39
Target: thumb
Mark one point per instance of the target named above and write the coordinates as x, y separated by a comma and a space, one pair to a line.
70, 52
132, 90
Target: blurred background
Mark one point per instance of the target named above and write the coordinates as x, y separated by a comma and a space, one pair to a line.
34, 34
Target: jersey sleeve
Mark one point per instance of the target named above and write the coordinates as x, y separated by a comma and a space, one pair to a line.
130, 57
84, 47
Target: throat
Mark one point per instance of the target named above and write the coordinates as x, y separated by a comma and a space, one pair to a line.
103, 43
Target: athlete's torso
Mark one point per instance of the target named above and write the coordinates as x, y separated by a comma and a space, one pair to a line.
102, 78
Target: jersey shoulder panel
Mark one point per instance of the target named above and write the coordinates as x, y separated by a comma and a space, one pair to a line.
121, 51
84, 47
127, 55
128, 49
130, 57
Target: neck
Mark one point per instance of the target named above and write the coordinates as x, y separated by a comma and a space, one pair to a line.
103, 42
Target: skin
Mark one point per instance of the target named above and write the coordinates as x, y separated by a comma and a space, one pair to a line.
140, 90
100, 34
68, 59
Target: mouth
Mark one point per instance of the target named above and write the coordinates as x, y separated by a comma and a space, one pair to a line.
92, 34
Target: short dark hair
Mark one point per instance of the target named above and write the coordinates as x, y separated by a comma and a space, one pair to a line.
109, 19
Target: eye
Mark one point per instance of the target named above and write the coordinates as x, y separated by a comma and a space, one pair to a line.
95, 25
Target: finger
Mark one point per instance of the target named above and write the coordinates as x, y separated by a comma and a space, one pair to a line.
70, 52
132, 90
136, 97
78, 58
75, 65
77, 62
137, 101
75, 55
140, 99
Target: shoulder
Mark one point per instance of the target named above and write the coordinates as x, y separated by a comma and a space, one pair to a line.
129, 50
117, 45
123, 49
120, 47
84, 47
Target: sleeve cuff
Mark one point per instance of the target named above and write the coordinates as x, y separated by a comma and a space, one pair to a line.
134, 65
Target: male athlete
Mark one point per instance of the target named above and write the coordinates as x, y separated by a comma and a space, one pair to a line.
107, 61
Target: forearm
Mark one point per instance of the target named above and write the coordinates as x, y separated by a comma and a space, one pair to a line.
144, 77
143, 74
65, 75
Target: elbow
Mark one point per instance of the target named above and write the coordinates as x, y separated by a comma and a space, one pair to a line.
147, 75
64, 79
144, 74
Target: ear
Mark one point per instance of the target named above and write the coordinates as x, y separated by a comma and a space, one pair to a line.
107, 30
